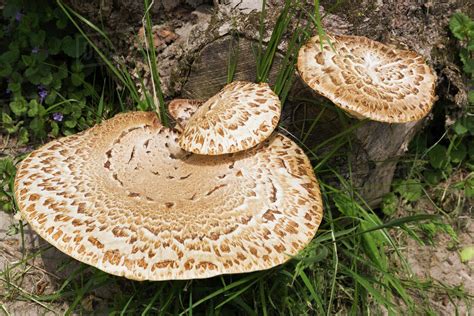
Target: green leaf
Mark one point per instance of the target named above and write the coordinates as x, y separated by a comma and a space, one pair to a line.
70, 123
469, 187
77, 66
433, 177
372, 241
61, 23
31, 71
410, 189
74, 47
9, 125
467, 254
5, 69
23, 136
438, 157
459, 128
7, 207
18, 106
471, 97
15, 87
6, 119
54, 129
51, 98
468, 62
459, 25
142, 105
34, 75
10, 9
77, 78
10, 56
37, 127
54, 45
7, 167
468, 121
27, 60
33, 108
389, 203
458, 153
470, 149
345, 204
62, 71
46, 80
36, 109
37, 38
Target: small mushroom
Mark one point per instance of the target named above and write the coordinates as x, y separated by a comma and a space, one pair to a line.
181, 111
369, 79
239, 117
117, 197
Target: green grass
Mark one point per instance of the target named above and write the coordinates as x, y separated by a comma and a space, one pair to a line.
349, 266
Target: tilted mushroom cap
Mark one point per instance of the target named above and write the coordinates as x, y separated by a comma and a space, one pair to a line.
181, 110
240, 116
369, 79
117, 197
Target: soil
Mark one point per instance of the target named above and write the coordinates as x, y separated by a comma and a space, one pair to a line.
437, 261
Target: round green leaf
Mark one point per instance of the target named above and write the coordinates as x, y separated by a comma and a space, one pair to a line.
18, 106
459, 128
433, 177
438, 157
458, 153
389, 203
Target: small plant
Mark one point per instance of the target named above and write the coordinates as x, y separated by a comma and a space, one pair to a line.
462, 28
436, 158
42, 73
458, 147
7, 175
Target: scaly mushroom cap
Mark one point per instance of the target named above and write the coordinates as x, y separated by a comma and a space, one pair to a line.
181, 111
239, 117
118, 197
369, 79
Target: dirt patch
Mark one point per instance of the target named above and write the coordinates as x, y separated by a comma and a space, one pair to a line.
447, 282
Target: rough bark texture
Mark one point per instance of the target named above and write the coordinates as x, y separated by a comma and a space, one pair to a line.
193, 40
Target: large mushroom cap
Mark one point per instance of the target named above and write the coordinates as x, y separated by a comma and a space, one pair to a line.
239, 117
369, 79
118, 198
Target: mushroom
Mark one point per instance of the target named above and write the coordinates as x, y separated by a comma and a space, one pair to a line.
239, 117
181, 111
369, 79
117, 198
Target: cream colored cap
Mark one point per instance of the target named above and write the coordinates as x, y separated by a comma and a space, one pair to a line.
117, 197
369, 79
239, 117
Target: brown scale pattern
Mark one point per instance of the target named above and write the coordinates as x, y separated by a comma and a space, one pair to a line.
239, 117
369, 79
122, 196
181, 111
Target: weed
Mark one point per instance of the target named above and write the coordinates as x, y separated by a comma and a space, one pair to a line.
43, 77
7, 175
